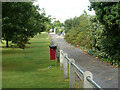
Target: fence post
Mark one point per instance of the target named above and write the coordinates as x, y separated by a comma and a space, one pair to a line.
87, 84
61, 60
65, 66
71, 74
57, 55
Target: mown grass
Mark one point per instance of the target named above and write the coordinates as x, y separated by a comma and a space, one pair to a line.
28, 68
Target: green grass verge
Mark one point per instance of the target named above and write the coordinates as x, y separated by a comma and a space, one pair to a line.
29, 68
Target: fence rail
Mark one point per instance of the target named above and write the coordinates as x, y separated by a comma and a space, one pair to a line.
65, 61
87, 75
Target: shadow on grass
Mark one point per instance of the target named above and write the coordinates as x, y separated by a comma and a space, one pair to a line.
14, 51
14, 47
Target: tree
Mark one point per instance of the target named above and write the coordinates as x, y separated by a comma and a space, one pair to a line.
68, 25
48, 24
57, 25
21, 22
48, 27
76, 30
108, 14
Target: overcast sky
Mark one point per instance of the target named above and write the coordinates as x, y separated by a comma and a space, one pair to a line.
64, 9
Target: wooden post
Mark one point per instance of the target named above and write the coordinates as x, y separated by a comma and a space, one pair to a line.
65, 66
61, 60
71, 74
87, 84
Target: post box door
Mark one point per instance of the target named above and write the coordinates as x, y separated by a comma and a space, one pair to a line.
52, 54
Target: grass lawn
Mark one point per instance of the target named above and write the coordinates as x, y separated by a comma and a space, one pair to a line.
28, 68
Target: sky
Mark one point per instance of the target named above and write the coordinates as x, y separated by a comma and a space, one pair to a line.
64, 9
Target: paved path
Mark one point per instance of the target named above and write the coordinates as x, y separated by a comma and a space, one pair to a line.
105, 75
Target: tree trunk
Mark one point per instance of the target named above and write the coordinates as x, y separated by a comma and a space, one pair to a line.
7, 44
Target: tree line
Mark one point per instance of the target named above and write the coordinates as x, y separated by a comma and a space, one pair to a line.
99, 35
22, 21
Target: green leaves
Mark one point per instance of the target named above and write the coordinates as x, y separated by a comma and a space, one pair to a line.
57, 25
21, 21
108, 14
92, 35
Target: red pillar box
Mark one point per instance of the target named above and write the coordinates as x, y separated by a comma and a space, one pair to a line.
52, 52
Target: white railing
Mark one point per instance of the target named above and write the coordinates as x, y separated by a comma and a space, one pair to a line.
65, 61
71, 69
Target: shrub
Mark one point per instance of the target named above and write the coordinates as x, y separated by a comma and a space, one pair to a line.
90, 35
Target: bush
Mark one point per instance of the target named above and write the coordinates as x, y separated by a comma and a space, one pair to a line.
71, 36
90, 35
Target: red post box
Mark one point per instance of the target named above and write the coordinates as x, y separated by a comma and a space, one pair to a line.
52, 52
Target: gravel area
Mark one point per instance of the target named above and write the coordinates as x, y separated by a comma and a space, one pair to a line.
105, 75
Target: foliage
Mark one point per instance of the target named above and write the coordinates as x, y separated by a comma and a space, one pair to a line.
108, 14
48, 27
57, 30
21, 21
68, 25
78, 31
92, 36
57, 25
48, 24
71, 36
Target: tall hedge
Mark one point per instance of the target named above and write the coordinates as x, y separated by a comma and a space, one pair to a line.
91, 35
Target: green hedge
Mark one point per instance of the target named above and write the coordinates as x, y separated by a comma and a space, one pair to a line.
90, 35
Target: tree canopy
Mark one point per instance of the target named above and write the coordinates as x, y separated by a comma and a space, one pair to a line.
108, 14
21, 21
57, 25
